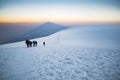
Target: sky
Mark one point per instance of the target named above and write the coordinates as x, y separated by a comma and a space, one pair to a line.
65, 11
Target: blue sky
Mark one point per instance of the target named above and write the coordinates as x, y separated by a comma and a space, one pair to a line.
113, 3
59, 10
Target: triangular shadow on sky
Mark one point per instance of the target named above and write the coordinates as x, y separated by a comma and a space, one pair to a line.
44, 30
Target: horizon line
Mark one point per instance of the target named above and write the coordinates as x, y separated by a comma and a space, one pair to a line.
63, 22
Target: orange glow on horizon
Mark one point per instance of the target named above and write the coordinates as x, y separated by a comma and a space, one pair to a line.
31, 20
26, 13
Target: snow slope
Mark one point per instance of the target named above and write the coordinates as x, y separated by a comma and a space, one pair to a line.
60, 61
98, 37
88, 36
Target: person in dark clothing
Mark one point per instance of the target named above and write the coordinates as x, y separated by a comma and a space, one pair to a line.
34, 43
43, 43
28, 43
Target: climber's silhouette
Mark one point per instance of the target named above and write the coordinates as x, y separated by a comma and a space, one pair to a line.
28, 43
43, 43
34, 43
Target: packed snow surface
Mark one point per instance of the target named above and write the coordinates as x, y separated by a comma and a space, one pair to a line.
62, 59
59, 63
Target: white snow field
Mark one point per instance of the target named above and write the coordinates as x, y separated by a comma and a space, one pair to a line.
72, 54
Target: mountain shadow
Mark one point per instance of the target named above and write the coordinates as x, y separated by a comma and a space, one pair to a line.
43, 30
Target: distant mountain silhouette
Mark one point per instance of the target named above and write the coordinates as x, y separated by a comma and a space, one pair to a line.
43, 30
